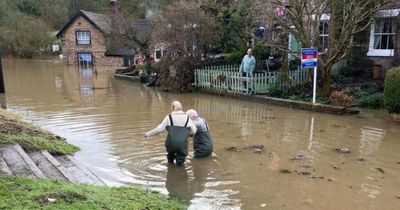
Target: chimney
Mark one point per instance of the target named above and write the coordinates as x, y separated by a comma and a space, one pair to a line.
115, 17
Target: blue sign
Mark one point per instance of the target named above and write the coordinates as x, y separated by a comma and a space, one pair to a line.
309, 64
309, 58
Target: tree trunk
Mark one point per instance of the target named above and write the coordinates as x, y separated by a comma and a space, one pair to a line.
327, 80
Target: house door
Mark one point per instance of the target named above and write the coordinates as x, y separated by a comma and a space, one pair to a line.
85, 59
128, 60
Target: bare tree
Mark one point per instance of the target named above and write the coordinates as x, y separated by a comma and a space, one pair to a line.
188, 32
342, 20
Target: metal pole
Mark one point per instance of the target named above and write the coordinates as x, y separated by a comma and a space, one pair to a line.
2, 89
315, 86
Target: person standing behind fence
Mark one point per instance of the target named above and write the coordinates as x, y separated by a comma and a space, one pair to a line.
247, 67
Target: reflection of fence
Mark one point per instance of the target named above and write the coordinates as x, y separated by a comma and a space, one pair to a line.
228, 78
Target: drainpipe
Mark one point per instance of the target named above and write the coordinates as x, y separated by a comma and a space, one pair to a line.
2, 89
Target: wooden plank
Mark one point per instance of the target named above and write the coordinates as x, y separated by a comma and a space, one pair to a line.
29, 162
4, 169
59, 167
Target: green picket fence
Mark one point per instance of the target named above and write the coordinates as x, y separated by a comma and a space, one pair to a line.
228, 78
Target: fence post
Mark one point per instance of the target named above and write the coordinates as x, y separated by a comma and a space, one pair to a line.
2, 89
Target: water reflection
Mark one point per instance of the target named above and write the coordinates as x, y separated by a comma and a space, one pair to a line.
85, 85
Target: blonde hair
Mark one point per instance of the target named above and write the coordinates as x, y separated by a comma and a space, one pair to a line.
176, 106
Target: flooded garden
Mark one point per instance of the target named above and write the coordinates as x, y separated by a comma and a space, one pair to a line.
265, 156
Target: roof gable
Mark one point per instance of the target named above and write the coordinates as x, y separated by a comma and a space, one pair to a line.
100, 21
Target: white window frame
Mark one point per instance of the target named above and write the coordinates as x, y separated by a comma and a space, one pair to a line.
162, 48
83, 37
382, 52
324, 36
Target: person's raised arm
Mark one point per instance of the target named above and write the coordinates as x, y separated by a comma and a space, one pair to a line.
159, 129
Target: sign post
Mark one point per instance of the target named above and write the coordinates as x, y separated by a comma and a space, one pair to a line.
2, 90
309, 59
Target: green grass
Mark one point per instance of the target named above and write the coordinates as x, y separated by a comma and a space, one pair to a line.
40, 143
23, 193
14, 130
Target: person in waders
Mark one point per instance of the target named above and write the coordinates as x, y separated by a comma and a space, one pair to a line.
179, 127
202, 142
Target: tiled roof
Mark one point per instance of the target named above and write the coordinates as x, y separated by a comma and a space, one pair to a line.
99, 20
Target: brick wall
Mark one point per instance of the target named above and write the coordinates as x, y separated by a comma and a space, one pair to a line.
97, 46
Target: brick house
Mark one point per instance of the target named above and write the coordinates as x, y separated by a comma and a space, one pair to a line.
384, 37
89, 38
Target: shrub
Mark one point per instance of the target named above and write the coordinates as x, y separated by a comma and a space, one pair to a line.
341, 98
374, 101
392, 90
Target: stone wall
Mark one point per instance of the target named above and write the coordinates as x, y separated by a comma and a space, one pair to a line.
97, 46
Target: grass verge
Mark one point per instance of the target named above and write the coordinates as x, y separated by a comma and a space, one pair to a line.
23, 193
14, 130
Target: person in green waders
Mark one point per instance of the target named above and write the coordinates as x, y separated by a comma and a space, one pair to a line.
179, 127
202, 142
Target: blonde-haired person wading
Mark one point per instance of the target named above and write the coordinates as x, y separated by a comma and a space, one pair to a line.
179, 126
202, 142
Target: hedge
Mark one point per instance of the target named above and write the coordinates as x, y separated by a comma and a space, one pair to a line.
392, 90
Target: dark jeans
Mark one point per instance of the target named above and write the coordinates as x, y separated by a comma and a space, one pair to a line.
245, 75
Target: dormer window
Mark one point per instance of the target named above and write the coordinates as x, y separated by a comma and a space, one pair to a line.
83, 37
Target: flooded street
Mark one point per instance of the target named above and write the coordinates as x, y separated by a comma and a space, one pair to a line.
298, 168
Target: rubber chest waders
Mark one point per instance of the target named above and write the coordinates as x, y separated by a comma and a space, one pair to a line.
202, 143
177, 142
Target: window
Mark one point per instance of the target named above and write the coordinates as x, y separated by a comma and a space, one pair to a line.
383, 33
158, 54
85, 59
323, 34
83, 37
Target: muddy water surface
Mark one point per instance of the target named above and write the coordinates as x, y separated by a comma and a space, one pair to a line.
298, 168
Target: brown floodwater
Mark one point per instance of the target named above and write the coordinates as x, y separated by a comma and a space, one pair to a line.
106, 118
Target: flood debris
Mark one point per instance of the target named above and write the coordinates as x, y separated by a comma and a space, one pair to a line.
361, 159
68, 197
336, 126
255, 148
285, 171
380, 170
316, 177
342, 150
305, 173
335, 167
232, 149
303, 159
269, 117
330, 179
398, 197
